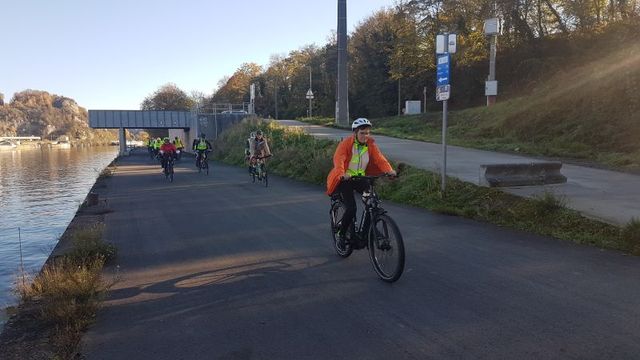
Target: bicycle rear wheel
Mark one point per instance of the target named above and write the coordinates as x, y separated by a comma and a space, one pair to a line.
386, 248
335, 214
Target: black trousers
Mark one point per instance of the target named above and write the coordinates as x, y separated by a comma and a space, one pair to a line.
346, 189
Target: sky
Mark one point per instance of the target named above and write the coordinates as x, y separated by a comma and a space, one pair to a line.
111, 54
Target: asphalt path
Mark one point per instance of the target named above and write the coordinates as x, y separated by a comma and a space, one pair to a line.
606, 195
216, 267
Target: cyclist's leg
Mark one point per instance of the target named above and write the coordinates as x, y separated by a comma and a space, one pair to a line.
361, 186
346, 190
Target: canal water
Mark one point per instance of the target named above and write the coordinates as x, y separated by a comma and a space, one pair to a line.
40, 191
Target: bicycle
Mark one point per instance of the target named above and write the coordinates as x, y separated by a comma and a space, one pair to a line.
202, 163
259, 171
377, 231
168, 168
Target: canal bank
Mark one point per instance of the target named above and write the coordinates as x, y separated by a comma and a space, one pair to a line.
26, 333
40, 193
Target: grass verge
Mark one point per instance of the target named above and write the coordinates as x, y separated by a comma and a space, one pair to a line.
303, 157
69, 289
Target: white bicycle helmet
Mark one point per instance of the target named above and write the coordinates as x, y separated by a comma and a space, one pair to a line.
360, 122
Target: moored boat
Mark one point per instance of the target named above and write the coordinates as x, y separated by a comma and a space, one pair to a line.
7, 145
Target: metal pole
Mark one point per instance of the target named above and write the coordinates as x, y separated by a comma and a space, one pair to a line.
399, 99
491, 99
444, 146
424, 106
310, 86
276, 95
21, 259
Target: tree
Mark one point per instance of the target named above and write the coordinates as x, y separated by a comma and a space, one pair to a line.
168, 97
235, 89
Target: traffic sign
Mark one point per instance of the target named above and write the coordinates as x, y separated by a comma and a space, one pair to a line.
309, 94
442, 70
443, 92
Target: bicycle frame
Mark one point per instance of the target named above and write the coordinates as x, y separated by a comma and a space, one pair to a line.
371, 208
201, 158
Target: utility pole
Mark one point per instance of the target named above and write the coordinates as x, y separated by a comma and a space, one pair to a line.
342, 86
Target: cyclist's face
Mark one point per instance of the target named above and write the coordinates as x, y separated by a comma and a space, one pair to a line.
363, 134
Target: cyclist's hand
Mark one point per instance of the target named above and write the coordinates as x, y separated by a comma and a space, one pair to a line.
346, 176
392, 173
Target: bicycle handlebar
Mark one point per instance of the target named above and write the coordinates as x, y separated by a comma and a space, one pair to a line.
366, 177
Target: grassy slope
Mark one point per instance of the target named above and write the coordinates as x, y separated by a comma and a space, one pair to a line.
591, 113
587, 109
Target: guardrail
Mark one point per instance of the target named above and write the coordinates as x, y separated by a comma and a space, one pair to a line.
521, 174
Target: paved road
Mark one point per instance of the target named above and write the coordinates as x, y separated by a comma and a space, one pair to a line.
219, 268
606, 195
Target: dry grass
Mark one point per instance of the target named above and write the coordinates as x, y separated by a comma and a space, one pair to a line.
70, 288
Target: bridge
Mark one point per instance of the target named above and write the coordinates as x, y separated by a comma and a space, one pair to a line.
210, 120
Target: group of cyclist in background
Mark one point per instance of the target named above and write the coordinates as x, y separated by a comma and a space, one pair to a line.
165, 149
356, 162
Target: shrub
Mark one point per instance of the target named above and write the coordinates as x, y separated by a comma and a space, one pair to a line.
631, 236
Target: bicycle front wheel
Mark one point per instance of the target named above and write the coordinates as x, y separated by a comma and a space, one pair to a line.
386, 248
205, 164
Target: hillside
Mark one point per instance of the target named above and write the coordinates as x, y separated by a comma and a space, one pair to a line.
588, 109
38, 113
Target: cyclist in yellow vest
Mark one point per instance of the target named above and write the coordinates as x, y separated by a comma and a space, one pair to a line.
178, 143
179, 147
155, 144
150, 146
202, 146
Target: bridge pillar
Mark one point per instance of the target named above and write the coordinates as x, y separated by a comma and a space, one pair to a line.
123, 141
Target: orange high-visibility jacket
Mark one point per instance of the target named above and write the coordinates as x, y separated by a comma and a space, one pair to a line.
378, 164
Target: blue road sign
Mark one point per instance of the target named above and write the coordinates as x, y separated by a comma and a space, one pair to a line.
442, 69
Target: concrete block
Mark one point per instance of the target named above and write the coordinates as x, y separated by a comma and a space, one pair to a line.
521, 174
